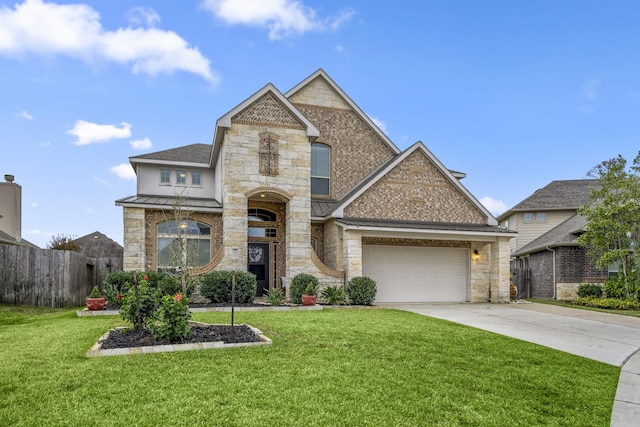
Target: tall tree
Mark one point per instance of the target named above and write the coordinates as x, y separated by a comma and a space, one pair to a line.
613, 215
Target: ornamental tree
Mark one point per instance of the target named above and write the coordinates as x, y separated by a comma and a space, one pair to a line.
613, 220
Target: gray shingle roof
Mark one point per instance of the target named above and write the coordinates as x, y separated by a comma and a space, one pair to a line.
97, 245
194, 153
6, 238
568, 194
564, 234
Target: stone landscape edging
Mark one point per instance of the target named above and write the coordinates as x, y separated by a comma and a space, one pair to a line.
97, 351
85, 312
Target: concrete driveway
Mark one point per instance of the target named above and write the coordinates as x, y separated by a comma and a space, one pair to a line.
605, 337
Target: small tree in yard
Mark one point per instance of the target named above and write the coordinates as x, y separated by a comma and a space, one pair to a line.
613, 220
61, 242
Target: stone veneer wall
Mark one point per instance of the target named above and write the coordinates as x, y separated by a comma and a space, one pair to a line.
134, 239
415, 190
500, 272
333, 255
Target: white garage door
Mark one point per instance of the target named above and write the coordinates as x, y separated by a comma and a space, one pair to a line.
417, 274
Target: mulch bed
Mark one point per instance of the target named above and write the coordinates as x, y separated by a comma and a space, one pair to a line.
199, 333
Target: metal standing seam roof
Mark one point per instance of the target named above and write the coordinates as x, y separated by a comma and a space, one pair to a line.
422, 225
564, 234
168, 202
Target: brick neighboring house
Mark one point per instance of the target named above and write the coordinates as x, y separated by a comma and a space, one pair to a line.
547, 261
305, 182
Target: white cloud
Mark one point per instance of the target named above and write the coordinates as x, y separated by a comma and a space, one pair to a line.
24, 115
590, 89
100, 180
143, 16
124, 171
496, 207
141, 144
35, 27
282, 18
88, 133
380, 124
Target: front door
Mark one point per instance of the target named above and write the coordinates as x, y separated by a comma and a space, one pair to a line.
259, 265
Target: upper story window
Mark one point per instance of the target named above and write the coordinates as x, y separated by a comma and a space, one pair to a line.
320, 169
260, 215
527, 217
196, 178
181, 177
165, 176
541, 217
505, 224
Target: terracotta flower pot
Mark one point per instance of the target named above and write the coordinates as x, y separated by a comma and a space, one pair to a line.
95, 304
308, 300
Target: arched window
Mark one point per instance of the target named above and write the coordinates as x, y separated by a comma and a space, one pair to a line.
268, 218
183, 244
320, 169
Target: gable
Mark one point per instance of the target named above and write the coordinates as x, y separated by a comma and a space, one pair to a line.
415, 190
320, 93
268, 110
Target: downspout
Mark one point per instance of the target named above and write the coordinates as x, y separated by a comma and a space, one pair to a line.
555, 287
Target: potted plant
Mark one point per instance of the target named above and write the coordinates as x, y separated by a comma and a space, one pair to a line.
95, 301
309, 296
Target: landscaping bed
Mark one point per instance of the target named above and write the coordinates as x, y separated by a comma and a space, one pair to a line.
125, 338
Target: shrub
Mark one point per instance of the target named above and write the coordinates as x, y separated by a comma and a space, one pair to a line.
171, 320
334, 295
116, 283
361, 290
274, 296
589, 290
170, 284
216, 285
613, 287
299, 285
147, 303
608, 303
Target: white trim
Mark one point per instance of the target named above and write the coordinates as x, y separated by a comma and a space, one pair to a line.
169, 163
371, 231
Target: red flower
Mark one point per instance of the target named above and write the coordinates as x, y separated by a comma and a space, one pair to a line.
146, 278
178, 296
119, 296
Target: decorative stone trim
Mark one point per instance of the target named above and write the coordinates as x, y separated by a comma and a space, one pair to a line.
281, 195
268, 110
326, 270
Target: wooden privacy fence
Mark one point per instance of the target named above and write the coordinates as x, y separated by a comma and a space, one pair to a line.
49, 278
521, 278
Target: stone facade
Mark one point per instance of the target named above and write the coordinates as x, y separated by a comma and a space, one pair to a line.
134, 239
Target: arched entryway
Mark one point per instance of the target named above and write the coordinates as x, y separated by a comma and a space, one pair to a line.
266, 239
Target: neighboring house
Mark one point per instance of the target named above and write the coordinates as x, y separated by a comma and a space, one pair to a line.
106, 255
547, 261
11, 213
305, 182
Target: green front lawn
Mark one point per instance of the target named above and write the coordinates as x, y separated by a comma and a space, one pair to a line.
332, 367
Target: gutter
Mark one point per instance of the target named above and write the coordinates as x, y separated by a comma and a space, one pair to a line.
555, 286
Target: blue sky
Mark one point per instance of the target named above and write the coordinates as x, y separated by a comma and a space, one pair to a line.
515, 94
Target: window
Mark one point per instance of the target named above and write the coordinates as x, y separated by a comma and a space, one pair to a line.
181, 177
195, 178
165, 176
262, 232
314, 244
527, 217
261, 215
183, 243
505, 224
541, 217
320, 169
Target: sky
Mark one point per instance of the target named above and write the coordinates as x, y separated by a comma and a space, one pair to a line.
515, 94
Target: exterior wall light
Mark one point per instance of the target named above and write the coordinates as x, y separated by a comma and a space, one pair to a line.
475, 256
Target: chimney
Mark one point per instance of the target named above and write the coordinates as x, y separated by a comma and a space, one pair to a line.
11, 207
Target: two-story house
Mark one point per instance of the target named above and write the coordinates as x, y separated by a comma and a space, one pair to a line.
305, 182
547, 261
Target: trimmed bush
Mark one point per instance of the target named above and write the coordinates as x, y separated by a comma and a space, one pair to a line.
361, 290
590, 290
609, 303
216, 286
613, 287
298, 286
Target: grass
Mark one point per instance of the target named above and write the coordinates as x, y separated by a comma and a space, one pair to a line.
631, 313
332, 367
